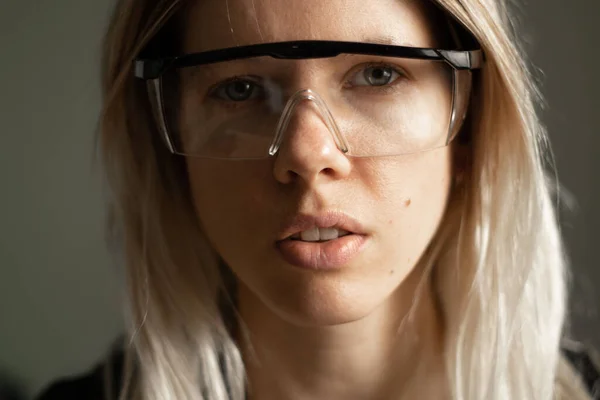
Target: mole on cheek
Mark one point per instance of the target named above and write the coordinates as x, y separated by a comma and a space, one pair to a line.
407, 202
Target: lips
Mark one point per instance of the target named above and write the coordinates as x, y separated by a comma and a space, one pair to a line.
331, 219
330, 254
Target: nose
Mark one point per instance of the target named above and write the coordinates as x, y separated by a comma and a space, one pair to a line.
308, 149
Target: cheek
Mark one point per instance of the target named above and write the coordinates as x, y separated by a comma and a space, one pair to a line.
411, 196
226, 185
217, 197
228, 198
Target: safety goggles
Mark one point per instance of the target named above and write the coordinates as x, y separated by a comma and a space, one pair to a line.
374, 99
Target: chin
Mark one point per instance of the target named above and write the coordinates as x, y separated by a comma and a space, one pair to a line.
306, 316
324, 301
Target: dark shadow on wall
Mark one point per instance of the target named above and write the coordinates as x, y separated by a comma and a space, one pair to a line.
10, 389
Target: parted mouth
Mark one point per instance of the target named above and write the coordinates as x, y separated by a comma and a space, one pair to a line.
324, 226
317, 234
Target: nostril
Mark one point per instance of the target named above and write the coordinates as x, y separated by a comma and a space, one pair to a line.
328, 171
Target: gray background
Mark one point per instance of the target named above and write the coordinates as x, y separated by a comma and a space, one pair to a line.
59, 291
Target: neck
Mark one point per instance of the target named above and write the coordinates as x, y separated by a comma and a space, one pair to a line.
392, 353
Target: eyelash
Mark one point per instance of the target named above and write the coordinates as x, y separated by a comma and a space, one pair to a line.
385, 89
402, 75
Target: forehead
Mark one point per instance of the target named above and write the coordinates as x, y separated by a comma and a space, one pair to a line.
212, 24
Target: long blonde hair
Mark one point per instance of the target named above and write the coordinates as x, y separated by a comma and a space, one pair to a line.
497, 263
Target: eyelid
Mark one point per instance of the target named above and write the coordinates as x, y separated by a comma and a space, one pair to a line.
360, 68
212, 92
250, 78
259, 82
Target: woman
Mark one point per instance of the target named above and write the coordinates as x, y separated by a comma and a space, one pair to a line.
332, 200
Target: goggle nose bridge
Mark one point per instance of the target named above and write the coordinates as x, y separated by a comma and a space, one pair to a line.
286, 115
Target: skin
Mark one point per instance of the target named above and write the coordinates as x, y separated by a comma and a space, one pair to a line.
326, 334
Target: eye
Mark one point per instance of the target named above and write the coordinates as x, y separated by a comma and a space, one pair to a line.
376, 75
237, 90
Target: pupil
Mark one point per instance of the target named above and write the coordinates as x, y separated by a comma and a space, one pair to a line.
379, 76
239, 90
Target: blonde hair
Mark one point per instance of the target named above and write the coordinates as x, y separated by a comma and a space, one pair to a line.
497, 263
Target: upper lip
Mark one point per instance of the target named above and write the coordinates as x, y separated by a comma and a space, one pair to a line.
330, 219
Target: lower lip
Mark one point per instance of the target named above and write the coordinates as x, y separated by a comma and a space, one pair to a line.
332, 254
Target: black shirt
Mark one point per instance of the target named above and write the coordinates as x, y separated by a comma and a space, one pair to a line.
91, 385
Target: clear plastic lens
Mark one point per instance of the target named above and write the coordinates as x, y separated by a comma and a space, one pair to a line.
372, 106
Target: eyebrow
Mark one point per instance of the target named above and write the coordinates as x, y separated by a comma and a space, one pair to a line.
229, 67
387, 40
259, 61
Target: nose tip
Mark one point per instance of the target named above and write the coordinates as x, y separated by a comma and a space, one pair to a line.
308, 143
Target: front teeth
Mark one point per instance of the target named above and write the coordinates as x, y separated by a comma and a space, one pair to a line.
311, 235
320, 234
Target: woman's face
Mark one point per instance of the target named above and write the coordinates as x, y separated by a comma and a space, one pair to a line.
245, 206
